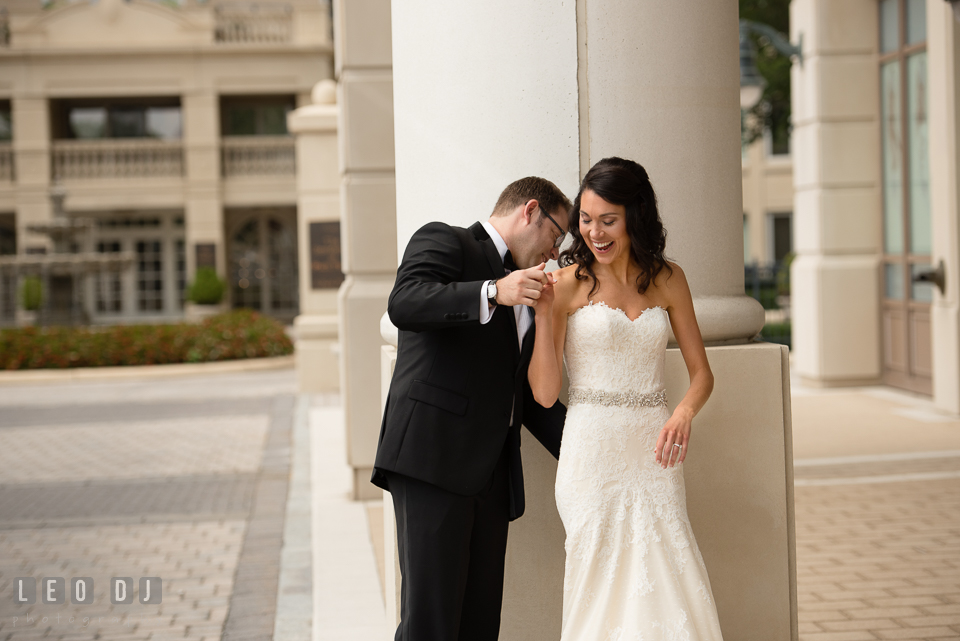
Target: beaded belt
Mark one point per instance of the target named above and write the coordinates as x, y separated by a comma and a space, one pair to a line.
620, 399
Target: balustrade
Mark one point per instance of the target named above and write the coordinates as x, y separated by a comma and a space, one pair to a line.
253, 23
258, 156
86, 159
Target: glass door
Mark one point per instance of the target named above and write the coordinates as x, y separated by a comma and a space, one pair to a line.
905, 310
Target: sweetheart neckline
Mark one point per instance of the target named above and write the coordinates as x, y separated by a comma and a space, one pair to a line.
616, 309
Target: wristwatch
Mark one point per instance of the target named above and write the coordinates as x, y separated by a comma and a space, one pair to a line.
492, 293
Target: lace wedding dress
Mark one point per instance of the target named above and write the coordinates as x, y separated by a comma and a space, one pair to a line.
633, 569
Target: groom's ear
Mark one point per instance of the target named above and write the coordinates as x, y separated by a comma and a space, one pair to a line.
530, 210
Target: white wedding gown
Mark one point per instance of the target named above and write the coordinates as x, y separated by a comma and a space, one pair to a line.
633, 569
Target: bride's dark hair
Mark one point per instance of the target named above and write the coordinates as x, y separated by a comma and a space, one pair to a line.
621, 182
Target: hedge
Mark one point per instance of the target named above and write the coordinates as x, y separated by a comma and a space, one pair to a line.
236, 334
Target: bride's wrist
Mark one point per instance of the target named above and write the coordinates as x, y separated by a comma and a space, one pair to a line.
686, 412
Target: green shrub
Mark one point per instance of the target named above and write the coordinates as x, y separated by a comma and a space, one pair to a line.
237, 334
781, 333
207, 288
783, 275
31, 293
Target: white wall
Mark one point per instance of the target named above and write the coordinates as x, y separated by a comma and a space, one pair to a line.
523, 119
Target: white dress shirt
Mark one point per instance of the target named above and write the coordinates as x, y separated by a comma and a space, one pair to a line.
521, 312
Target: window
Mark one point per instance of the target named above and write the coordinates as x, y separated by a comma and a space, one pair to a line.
149, 276
6, 124
906, 172
781, 236
905, 316
109, 284
158, 118
180, 254
255, 116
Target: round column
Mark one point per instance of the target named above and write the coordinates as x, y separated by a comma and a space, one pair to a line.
661, 86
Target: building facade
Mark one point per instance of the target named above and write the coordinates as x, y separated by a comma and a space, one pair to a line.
166, 123
875, 141
767, 203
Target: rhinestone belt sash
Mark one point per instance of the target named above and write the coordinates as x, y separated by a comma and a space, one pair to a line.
619, 399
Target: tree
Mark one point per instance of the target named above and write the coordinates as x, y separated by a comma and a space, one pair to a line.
773, 110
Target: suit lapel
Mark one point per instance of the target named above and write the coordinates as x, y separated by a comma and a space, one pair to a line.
489, 250
496, 265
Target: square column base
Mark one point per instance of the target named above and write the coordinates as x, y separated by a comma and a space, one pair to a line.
318, 363
739, 488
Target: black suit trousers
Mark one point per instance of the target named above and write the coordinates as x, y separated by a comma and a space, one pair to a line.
451, 551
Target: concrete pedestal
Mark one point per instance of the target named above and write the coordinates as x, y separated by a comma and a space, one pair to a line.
739, 480
317, 352
318, 201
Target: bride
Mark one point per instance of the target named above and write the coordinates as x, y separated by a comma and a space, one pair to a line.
633, 569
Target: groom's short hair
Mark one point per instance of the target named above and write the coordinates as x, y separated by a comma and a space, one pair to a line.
520, 191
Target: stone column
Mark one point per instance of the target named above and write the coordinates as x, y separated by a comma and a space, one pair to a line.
31, 161
943, 65
835, 284
318, 202
203, 215
489, 92
367, 190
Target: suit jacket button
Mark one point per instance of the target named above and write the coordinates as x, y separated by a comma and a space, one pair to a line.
446, 317
463, 316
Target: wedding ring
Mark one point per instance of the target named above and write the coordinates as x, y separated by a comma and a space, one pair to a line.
678, 445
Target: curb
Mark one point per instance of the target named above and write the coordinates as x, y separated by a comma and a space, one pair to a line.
145, 371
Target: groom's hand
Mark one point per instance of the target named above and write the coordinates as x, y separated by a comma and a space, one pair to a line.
522, 287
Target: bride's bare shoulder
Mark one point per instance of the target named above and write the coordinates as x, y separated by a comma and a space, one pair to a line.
671, 277
671, 284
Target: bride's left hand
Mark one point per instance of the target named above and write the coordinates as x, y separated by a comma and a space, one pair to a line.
675, 431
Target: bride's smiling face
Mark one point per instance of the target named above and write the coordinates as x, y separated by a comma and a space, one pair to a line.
603, 226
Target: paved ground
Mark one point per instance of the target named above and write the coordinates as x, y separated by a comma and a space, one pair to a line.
878, 516
200, 481
183, 479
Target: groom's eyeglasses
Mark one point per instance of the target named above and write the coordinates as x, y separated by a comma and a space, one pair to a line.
562, 235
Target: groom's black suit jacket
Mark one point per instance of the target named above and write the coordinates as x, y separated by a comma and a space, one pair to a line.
447, 418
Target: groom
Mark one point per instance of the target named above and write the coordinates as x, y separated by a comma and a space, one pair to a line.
449, 450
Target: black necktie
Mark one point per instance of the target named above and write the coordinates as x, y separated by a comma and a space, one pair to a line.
508, 263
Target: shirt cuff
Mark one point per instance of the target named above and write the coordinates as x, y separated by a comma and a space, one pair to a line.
486, 309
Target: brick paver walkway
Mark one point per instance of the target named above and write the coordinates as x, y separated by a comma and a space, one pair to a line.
879, 560
185, 480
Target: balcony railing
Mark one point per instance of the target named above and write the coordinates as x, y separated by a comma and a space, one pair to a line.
91, 159
259, 156
6, 162
253, 23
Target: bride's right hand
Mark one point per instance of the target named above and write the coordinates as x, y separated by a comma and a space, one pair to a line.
544, 304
